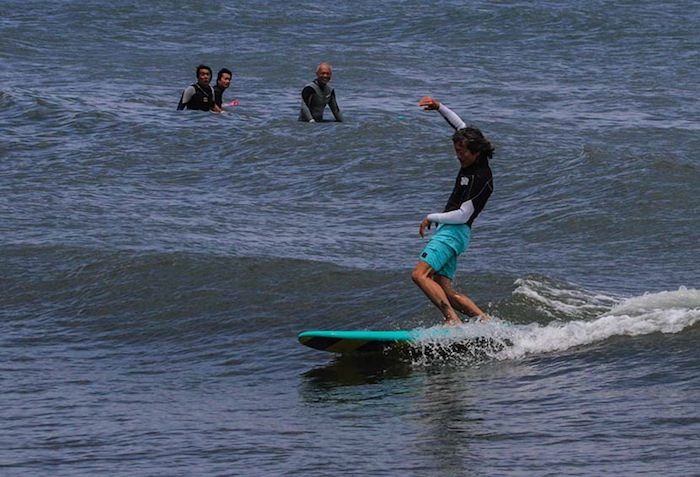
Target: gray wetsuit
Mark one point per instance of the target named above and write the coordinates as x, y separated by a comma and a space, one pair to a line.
314, 99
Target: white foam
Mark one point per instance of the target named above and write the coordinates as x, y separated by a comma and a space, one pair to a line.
591, 318
555, 299
664, 312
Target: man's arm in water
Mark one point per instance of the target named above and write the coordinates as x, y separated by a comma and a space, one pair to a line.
185, 98
333, 104
306, 94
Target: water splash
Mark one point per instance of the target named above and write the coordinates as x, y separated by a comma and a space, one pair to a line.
558, 300
477, 342
663, 312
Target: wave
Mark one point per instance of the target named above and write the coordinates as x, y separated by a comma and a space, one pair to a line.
191, 300
665, 312
558, 317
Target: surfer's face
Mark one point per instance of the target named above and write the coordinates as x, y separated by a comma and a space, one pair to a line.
324, 74
203, 76
465, 156
225, 80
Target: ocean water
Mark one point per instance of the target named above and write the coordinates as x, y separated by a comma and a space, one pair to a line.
156, 266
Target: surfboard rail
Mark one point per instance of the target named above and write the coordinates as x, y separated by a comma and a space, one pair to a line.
358, 341
373, 341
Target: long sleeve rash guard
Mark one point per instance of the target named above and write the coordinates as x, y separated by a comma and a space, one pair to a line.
473, 185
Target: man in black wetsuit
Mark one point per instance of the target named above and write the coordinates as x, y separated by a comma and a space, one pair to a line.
317, 95
200, 95
438, 260
223, 81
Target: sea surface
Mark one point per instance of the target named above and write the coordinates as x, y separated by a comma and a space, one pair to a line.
157, 265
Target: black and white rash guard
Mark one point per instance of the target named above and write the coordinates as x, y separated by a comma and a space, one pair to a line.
473, 186
197, 97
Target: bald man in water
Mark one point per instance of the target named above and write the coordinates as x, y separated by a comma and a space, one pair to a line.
317, 95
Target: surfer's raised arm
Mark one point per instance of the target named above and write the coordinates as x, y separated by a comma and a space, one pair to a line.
429, 103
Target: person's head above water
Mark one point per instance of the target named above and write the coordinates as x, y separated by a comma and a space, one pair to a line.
223, 78
203, 75
324, 72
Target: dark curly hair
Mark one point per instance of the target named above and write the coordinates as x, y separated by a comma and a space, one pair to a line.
223, 71
475, 141
203, 67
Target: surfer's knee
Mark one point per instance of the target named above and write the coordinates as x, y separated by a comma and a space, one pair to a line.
453, 296
459, 302
417, 277
446, 285
421, 273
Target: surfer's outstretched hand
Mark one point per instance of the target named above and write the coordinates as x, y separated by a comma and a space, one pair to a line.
428, 103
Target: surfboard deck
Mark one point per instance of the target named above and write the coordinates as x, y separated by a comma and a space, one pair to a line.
381, 341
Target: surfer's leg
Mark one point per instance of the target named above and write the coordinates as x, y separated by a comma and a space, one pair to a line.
459, 301
423, 277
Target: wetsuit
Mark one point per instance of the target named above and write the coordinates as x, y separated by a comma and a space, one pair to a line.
219, 94
473, 187
314, 99
197, 97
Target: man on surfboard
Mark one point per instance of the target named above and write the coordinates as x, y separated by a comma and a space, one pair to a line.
438, 260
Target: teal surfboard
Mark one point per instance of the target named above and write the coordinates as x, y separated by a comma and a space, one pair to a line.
369, 341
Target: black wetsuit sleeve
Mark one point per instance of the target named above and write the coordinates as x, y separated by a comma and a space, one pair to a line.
333, 104
306, 95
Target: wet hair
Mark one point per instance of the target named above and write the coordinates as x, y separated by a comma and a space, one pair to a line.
203, 67
475, 141
222, 72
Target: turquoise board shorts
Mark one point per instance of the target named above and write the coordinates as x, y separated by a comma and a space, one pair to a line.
444, 247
